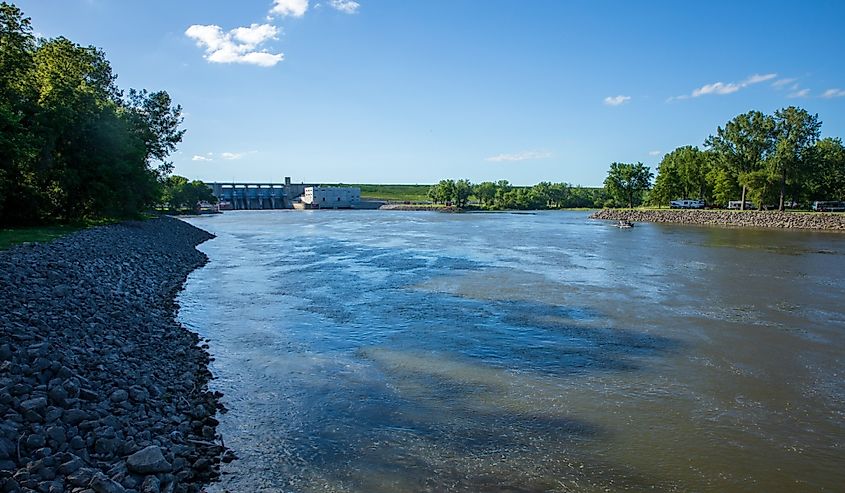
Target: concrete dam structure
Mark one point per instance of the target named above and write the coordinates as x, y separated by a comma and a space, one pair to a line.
257, 196
252, 196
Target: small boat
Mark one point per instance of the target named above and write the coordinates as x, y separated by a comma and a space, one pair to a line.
622, 224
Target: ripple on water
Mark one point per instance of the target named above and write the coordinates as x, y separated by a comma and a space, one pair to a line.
438, 357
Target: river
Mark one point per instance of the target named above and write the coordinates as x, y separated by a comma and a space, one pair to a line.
381, 351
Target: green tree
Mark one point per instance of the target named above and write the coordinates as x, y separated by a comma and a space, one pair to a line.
626, 182
761, 187
682, 174
462, 189
71, 146
502, 189
585, 197
796, 133
668, 184
20, 201
448, 190
724, 184
485, 192
179, 193
444, 191
541, 194
744, 145
156, 121
825, 174
558, 194
693, 165
76, 101
434, 194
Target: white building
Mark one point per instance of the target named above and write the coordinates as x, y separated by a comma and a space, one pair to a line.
331, 197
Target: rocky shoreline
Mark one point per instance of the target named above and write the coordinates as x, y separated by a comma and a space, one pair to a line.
101, 390
745, 219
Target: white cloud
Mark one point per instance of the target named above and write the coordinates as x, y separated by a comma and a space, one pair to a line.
781, 83
716, 88
240, 45
802, 93
616, 100
722, 88
757, 78
520, 156
833, 93
226, 156
345, 6
233, 156
292, 8
654, 153
255, 34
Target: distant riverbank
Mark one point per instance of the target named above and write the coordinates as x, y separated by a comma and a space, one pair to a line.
747, 219
418, 207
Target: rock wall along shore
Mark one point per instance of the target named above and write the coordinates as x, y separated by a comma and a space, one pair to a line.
100, 389
752, 219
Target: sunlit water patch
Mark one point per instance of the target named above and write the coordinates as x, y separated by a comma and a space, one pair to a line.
387, 352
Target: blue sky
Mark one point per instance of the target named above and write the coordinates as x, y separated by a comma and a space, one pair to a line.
407, 91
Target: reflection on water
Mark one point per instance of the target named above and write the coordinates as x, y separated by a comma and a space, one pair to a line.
376, 351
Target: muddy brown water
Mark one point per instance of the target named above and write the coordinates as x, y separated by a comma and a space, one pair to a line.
374, 351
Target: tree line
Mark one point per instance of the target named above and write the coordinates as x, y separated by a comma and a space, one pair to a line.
179, 194
73, 145
501, 195
774, 160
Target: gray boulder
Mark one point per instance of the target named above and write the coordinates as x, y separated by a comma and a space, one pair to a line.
102, 484
148, 461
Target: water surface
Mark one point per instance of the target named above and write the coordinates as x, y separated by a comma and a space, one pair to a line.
376, 351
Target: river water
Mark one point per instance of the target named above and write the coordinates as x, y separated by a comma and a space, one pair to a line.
381, 351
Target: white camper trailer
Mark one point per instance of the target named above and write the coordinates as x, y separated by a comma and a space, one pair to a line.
686, 204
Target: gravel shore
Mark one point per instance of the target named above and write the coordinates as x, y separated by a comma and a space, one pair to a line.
101, 390
748, 219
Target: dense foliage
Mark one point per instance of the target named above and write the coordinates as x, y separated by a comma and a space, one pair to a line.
626, 182
72, 144
178, 193
769, 160
502, 195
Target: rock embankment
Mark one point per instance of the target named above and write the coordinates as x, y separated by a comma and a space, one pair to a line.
748, 219
100, 389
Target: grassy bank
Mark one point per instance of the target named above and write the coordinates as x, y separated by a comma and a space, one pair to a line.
38, 234
41, 234
400, 193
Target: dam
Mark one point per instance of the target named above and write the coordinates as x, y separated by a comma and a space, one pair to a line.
257, 196
287, 195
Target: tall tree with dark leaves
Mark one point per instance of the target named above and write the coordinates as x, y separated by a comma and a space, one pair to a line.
744, 144
825, 176
72, 147
626, 182
19, 198
76, 94
796, 133
156, 121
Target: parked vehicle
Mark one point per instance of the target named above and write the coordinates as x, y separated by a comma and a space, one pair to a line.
686, 204
828, 206
735, 204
